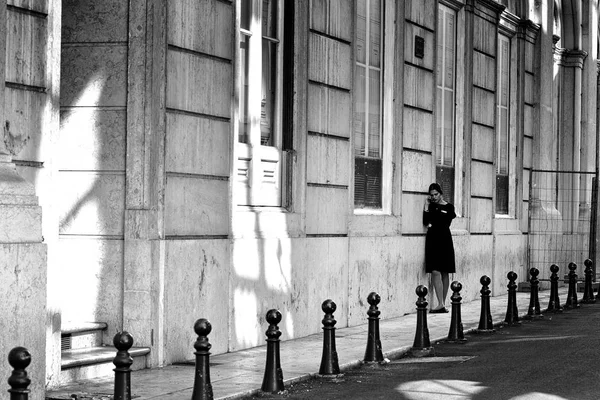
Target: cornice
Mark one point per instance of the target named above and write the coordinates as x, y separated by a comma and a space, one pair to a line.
528, 30
569, 58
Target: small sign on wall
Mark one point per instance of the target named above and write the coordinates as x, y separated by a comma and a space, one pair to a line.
419, 46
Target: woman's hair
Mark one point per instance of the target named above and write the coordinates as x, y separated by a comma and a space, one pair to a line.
435, 186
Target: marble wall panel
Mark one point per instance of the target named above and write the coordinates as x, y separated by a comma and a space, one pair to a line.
375, 266
412, 212
197, 286
91, 203
93, 75
328, 160
529, 89
26, 48
326, 210
484, 107
418, 88
527, 152
92, 139
474, 258
481, 215
195, 206
418, 129
421, 12
526, 178
197, 145
483, 143
23, 308
330, 61
509, 255
529, 125
410, 32
416, 171
24, 113
484, 71
484, 36
85, 21
93, 267
34, 5
483, 176
329, 110
202, 26
199, 84
279, 273
331, 17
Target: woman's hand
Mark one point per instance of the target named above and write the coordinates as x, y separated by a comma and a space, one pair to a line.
426, 205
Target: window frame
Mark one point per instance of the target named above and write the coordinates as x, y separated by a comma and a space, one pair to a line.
511, 126
257, 155
387, 118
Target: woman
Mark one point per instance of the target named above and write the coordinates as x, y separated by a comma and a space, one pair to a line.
439, 249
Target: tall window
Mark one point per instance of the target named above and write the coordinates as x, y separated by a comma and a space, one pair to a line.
446, 67
259, 146
502, 124
368, 99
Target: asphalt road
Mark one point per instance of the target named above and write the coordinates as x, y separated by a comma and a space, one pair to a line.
556, 357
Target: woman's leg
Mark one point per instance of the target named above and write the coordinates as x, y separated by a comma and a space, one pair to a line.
446, 284
438, 288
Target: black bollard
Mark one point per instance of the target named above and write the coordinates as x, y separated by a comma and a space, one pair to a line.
512, 310
373, 353
329, 359
554, 302
422, 345
19, 358
202, 386
533, 311
485, 318
123, 342
572, 293
456, 334
273, 379
588, 290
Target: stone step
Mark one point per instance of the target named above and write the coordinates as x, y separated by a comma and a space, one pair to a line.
95, 362
80, 335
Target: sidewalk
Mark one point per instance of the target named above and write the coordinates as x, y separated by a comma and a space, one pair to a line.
239, 374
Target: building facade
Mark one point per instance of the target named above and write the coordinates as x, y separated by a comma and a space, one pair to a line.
165, 161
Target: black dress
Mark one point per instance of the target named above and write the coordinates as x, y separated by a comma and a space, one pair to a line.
439, 249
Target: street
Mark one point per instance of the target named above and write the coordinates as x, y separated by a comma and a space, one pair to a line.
555, 357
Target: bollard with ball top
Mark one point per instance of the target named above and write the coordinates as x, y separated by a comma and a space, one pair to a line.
512, 311
533, 311
122, 361
422, 344
456, 334
588, 289
273, 378
329, 360
554, 302
572, 293
373, 353
202, 386
19, 358
485, 317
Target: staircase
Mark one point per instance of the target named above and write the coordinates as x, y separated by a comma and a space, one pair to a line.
83, 355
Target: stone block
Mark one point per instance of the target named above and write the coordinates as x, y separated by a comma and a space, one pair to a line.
410, 32
416, 171
329, 111
94, 75
328, 160
330, 62
91, 203
482, 179
327, 210
481, 215
197, 145
418, 130
331, 18
23, 308
94, 21
92, 139
483, 143
412, 212
26, 48
196, 206
20, 224
421, 12
199, 84
418, 88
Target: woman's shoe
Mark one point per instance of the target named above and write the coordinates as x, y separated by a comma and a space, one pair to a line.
439, 311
